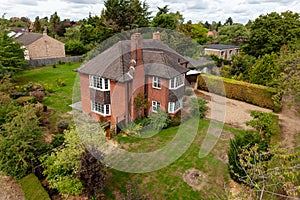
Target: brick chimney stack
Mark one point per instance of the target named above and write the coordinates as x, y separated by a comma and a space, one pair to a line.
136, 48
156, 36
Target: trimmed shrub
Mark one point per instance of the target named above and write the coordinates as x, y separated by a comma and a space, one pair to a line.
250, 93
188, 92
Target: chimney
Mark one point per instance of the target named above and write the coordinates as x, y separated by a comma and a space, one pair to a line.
136, 48
156, 35
45, 30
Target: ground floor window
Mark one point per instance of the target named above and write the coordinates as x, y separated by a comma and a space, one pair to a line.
102, 109
155, 106
175, 106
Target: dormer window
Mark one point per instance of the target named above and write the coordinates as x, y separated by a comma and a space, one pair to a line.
176, 82
156, 83
99, 83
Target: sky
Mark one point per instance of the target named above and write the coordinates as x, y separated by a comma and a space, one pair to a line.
196, 10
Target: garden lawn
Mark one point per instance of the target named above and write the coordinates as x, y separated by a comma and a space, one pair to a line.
61, 97
168, 183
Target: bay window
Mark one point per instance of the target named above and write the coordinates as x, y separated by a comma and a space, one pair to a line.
102, 109
175, 106
99, 83
177, 82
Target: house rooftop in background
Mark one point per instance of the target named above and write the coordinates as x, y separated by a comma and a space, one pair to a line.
40, 46
223, 51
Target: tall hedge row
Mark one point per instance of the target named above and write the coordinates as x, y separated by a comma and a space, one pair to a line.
247, 92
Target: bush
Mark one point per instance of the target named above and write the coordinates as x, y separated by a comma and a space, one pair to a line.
32, 188
198, 107
188, 92
159, 121
75, 48
250, 93
132, 129
62, 126
58, 140
38, 95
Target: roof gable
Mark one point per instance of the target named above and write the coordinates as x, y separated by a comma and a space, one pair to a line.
28, 38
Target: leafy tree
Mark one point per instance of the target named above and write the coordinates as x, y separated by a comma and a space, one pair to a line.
92, 174
288, 83
21, 140
75, 47
166, 19
270, 32
195, 31
233, 34
265, 70
61, 166
242, 65
198, 107
37, 25
228, 22
54, 23
125, 14
11, 55
278, 176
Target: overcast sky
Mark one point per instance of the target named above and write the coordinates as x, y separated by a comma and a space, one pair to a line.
196, 10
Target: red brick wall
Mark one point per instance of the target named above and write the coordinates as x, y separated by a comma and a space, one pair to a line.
118, 101
160, 95
85, 93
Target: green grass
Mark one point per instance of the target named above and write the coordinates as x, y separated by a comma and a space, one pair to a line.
61, 98
32, 188
168, 183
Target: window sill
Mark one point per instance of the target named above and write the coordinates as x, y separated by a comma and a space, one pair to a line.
156, 88
99, 113
176, 88
102, 90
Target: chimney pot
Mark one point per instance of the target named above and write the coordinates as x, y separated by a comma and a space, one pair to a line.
156, 35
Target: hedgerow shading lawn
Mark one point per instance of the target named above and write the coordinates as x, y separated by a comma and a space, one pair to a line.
168, 183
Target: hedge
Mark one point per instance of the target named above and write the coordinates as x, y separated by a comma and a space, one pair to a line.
243, 91
32, 188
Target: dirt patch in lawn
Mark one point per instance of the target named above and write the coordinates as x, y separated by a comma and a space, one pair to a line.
194, 178
10, 189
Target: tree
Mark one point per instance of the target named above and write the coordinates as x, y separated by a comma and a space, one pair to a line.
265, 70
270, 32
195, 31
61, 166
21, 140
242, 65
166, 19
92, 174
37, 25
75, 47
11, 55
228, 22
278, 175
54, 23
234, 34
125, 14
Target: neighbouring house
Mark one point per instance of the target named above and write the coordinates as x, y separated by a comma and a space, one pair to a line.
212, 34
223, 51
111, 81
40, 46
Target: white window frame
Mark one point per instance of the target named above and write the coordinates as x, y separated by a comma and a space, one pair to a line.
176, 82
173, 107
96, 108
156, 82
155, 106
99, 83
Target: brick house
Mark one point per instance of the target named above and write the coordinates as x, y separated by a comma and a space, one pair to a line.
40, 46
110, 81
223, 51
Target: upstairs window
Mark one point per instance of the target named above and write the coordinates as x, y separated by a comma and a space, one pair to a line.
99, 83
156, 83
155, 106
177, 82
102, 109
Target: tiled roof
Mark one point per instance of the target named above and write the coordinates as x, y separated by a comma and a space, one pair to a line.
28, 38
222, 46
158, 58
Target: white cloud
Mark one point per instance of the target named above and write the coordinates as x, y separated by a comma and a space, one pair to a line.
195, 10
